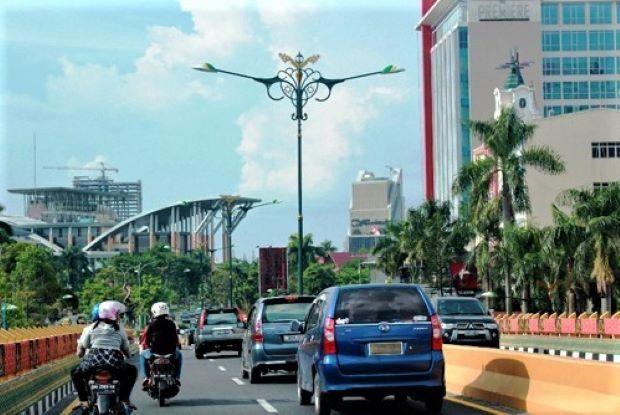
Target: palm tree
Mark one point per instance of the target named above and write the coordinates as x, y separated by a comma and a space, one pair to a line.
565, 236
426, 237
75, 263
310, 252
598, 211
327, 248
508, 158
390, 257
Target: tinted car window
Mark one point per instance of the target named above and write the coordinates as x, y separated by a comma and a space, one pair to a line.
454, 307
223, 318
313, 316
282, 313
374, 305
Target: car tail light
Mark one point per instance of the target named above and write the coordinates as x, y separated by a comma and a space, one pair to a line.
329, 336
203, 317
257, 335
436, 343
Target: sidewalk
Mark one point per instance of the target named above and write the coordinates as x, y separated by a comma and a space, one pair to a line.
584, 348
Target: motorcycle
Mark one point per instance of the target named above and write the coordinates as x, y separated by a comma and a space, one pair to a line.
104, 389
163, 384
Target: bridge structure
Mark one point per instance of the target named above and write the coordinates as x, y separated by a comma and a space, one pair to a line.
182, 226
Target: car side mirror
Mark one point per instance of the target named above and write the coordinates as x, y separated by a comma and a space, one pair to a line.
297, 326
242, 325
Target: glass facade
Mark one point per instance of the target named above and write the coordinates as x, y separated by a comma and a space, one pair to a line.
551, 41
574, 40
549, 13
464, 87
573, 13
601, 40
600, 12
605, 65
581, 59
574, 66
552, 90
551, 66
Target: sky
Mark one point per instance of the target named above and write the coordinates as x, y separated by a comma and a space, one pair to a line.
113, 82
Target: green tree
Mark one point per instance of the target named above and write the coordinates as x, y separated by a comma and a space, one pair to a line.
36, 285
388, 250
75, 265
598, 212
106, 284
426, 237
509, 157
317, 277
310, 252
326, 248
353, 273
245, 287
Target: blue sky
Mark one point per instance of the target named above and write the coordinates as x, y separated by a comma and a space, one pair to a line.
113, 83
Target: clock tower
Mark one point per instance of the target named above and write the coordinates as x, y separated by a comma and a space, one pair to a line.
515, 94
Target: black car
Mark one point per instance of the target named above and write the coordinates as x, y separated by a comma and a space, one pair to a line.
465, 321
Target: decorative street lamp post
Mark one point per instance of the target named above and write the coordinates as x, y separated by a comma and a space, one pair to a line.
299, 83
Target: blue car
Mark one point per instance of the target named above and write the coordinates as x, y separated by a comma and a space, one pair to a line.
269, 344
371, 341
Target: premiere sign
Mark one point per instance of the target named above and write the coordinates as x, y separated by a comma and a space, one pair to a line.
501, 10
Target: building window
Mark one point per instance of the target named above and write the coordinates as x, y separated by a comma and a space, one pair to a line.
606, 149
573, 13
575, 90
574, 40
600, 185
583, 107
601, 40
552, 90
602, 89
549, 13
600, 12
551, 41
618, 36
552, 111
568, 109
602, 65
59, 233
551, 66
575, 66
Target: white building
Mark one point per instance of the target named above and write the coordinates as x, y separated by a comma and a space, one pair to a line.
375, 201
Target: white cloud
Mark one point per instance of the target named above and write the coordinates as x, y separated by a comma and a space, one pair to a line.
269, 141
161, 76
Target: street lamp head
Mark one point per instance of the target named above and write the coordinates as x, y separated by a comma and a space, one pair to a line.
390, 69
206, 67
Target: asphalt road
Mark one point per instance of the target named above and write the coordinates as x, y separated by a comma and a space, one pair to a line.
214, 386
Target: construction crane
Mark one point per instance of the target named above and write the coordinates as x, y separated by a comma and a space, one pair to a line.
103, 168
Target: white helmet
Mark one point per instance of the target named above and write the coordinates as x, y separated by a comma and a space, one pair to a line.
160, 309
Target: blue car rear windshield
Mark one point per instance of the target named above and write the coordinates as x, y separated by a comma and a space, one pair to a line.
381, 304
456, 307
221, 318
286, 312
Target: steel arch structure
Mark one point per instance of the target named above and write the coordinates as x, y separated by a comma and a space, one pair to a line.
183, 226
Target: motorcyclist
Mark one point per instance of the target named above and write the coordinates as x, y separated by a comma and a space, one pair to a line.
160, 337
104, 343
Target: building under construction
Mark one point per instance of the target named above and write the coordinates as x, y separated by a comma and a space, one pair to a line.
125, 207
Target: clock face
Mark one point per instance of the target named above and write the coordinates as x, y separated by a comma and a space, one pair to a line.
522, 103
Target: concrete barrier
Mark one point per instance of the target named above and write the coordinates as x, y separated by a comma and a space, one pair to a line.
532, 383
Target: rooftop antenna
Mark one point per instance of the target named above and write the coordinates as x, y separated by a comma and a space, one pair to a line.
34, 157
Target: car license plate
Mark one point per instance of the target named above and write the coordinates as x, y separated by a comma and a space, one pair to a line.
220, 332
292, 338
392, 348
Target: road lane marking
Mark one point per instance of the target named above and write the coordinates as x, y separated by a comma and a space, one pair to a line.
211, 360
238, 381
222, 368
267, 406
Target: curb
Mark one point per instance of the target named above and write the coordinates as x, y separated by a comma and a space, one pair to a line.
599, 357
